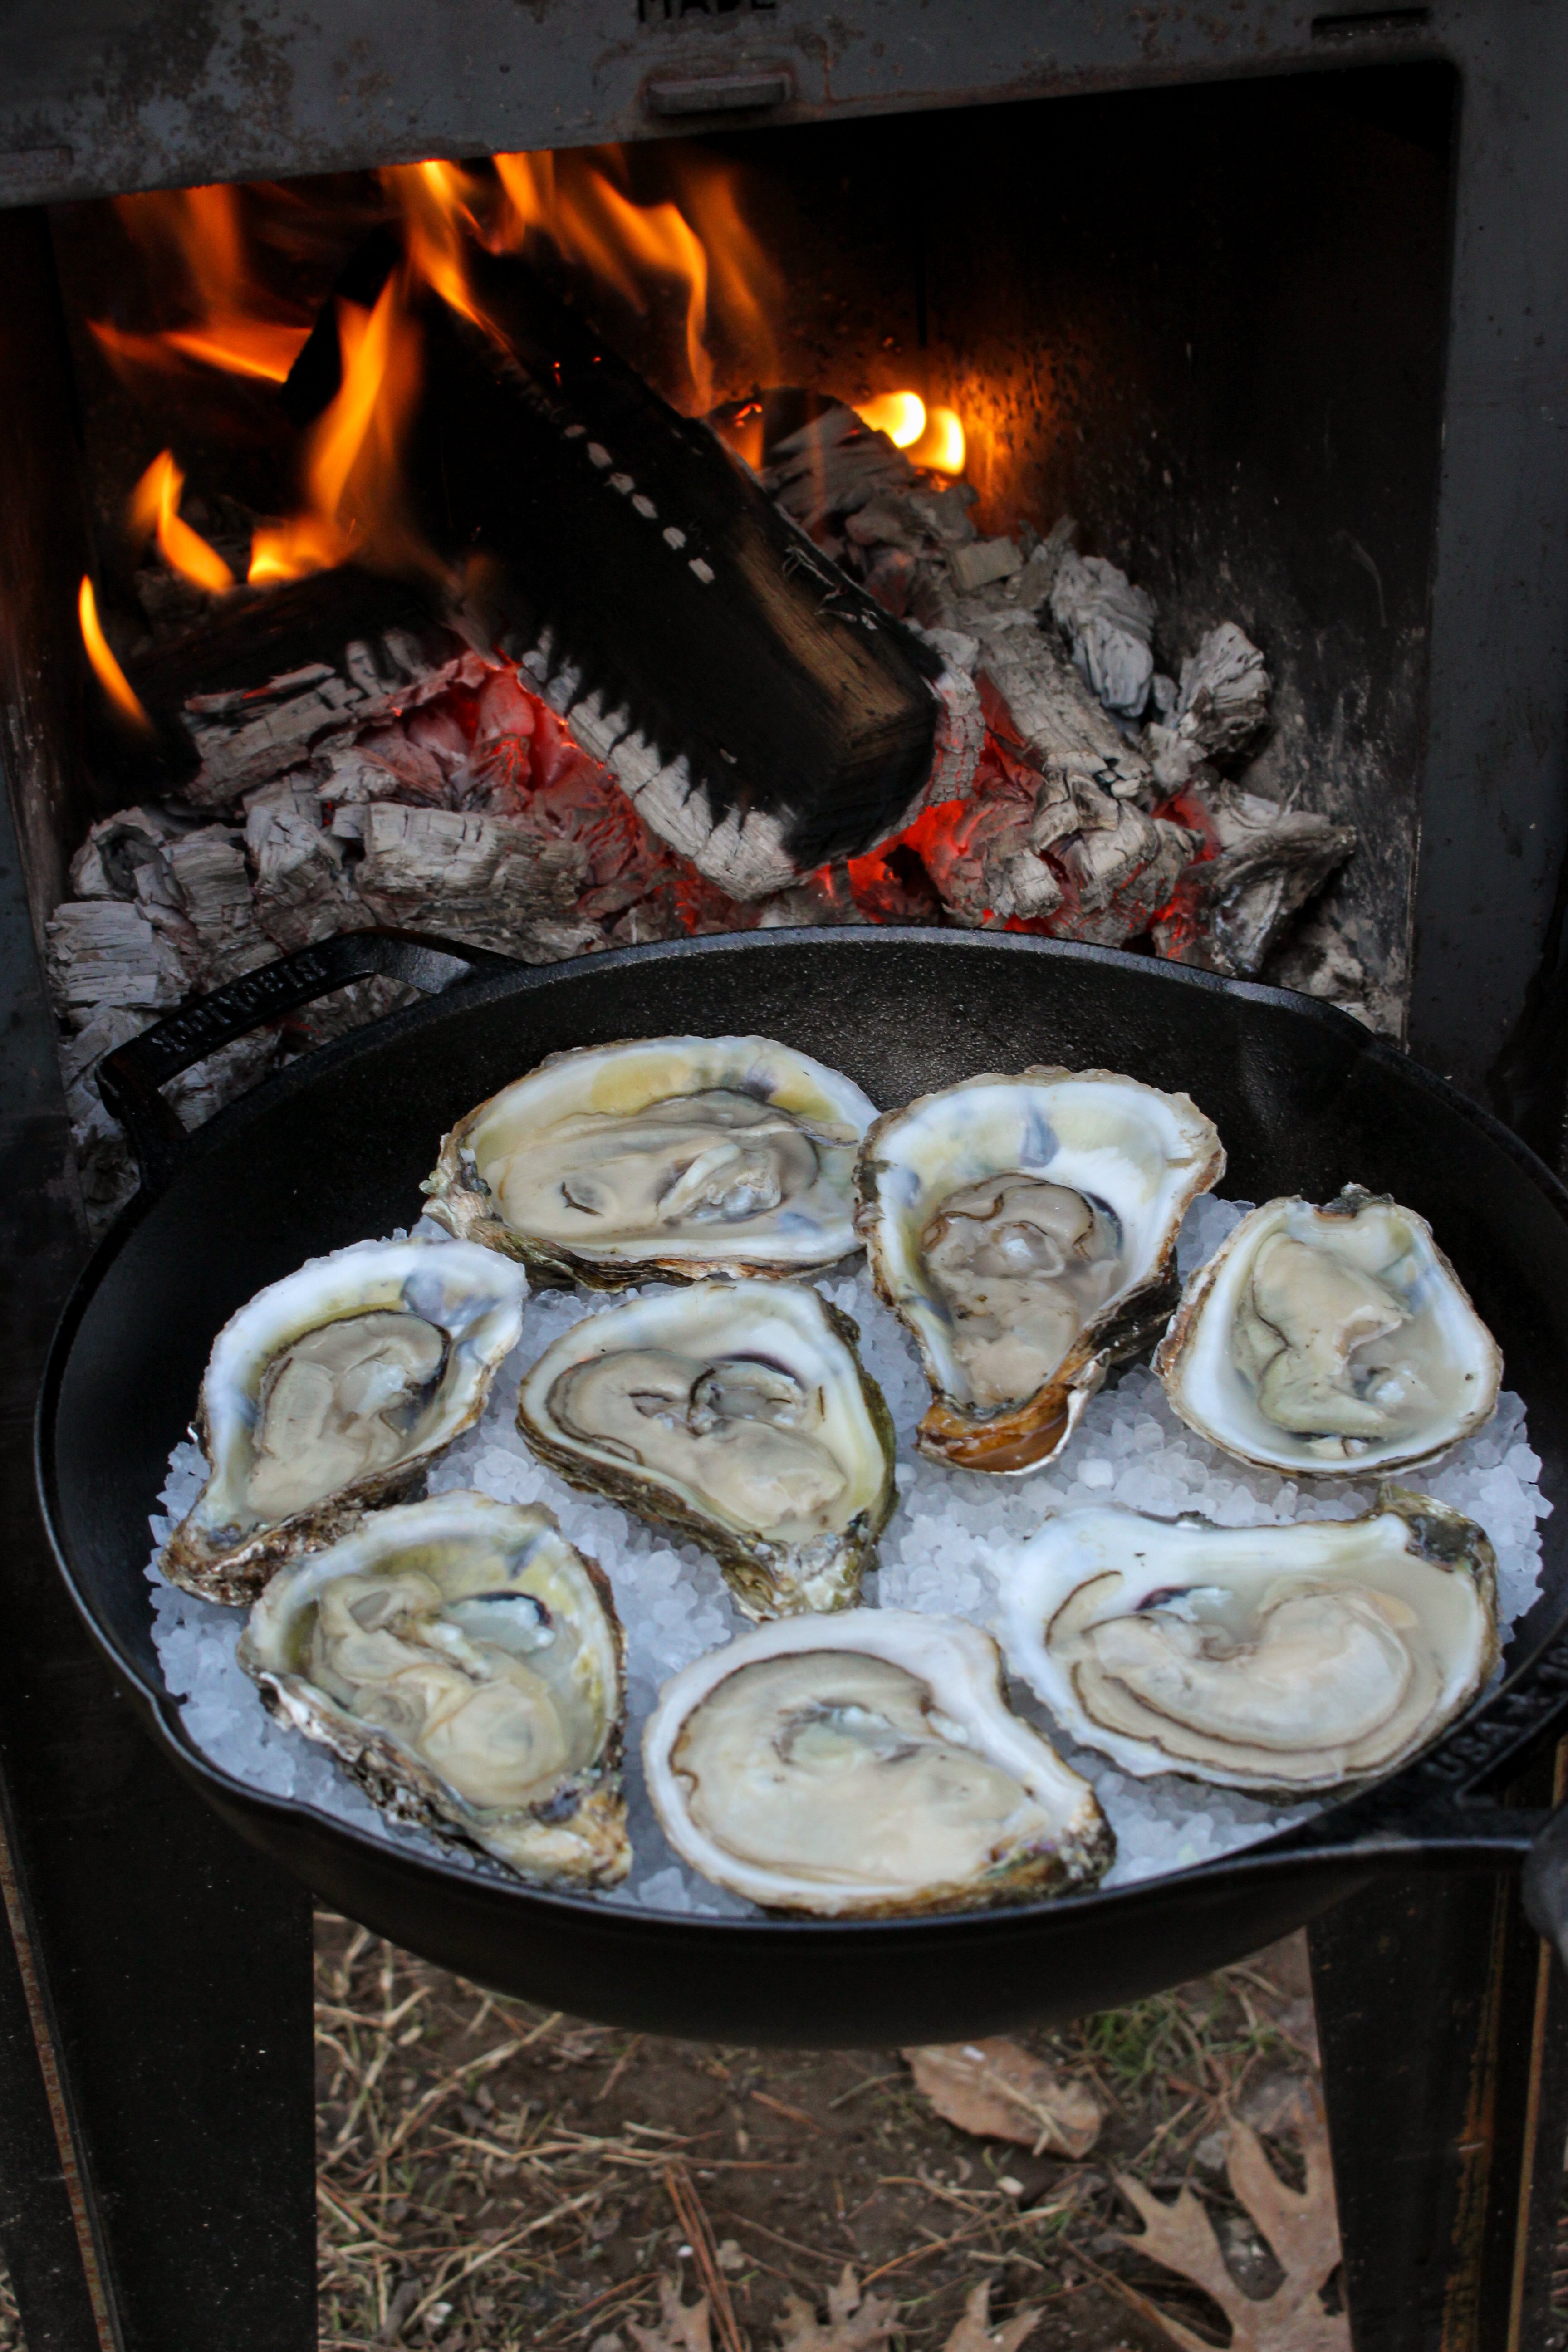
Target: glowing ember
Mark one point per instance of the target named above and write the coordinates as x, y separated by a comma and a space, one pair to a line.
111, 677
155, 506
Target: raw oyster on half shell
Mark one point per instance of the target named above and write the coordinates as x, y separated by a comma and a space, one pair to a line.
329, 1391
1023, 1229
1284, 1659
737, 1412
463, 1662
681, 1156
866, 1764
1330, 1340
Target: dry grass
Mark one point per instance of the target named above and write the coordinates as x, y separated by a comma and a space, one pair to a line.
10, 2325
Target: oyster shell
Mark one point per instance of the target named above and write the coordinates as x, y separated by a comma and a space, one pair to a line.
866, 1764
1330, 1340
329, 1391
684, 1156
1291, 1659
463, 1662
1023, 1229
737, 1412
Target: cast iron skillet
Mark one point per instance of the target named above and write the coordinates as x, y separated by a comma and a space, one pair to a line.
335, 1150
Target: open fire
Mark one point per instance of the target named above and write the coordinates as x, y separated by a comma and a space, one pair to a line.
332, 715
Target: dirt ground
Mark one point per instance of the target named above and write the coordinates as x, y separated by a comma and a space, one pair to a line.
495, 2176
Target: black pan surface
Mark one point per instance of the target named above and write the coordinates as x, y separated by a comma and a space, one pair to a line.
334, 1150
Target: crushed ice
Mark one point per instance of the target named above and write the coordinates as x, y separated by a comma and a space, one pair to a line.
944, 1550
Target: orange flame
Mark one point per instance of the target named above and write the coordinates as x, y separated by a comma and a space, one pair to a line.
941, 444
591, 223
933, 436
155, 506
352, 469
111, 677
197, 234
439, 206
901, 416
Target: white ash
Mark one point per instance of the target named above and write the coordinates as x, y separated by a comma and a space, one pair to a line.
945, 1550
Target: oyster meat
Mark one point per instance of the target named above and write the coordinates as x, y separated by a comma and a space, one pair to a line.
463, 1662
685, 1156
1330, 1340
737, 1412
1023, 1229
1286, 1659
329, 1391
865, 1764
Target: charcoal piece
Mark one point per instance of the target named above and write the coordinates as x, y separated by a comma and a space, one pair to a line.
1051, 708
491, 881
984, 562
1125, 872
125, 856
1109, 625
103, 952
209, 872
765, 710
1221, 705
303, 891
1232, 908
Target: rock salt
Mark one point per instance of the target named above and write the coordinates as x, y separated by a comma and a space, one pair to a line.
946, 1550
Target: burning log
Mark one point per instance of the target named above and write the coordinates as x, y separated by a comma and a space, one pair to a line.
765, 713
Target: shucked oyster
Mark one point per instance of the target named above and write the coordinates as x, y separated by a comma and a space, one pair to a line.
463, 1662
329, 1391
1023, 1229
866, 1764
738, 1412
1279, 1658
1330, 1340
685, 1156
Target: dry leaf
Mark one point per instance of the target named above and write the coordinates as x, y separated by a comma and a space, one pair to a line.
998, 2090
1302, 2227
854, 2324
972, 2333
681, 2327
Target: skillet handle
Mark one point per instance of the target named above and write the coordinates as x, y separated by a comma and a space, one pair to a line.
1545, 1884
130, 1077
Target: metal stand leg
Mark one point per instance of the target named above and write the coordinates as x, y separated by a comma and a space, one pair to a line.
157, 2159
1444, 2026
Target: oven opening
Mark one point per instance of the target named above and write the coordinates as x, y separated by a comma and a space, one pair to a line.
1111, 424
